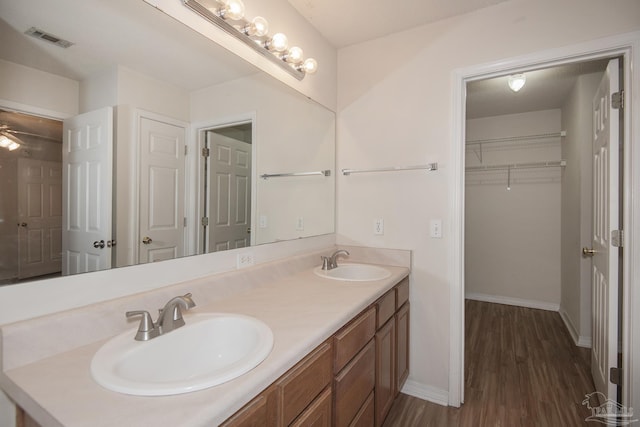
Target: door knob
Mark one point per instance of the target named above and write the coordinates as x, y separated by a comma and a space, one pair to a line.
22, 224
588, 252
98, 244
147, 240
111, 243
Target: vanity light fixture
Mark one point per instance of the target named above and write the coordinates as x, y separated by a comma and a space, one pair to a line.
516, 82
228, 15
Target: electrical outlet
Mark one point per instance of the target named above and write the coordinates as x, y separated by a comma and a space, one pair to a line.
244, 259
435, 229
300, 223
263, 221
378, 226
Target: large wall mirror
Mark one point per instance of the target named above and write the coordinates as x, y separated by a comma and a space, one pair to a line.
144, 141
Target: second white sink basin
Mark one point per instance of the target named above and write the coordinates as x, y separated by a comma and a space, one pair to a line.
354, 272
209, 350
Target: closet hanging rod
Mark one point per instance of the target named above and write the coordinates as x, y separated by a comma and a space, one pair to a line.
429, 167
513, 166
517, 138
326, 172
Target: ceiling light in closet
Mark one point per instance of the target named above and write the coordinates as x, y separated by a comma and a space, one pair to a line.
516, 82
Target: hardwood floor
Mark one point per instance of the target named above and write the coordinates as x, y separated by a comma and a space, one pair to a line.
522, 369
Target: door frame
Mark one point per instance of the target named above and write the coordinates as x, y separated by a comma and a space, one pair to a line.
626, 46
196, 143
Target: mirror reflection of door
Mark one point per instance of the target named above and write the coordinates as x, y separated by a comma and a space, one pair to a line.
161, 191
226, 219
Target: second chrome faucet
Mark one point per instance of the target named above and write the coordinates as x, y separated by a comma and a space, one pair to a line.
330, 262
169, 318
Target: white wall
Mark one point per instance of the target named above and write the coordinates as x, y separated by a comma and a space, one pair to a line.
44, 93
395, 108
575, 305
512, 237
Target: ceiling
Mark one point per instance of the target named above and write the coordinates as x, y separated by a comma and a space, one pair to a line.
545, 89
346, 22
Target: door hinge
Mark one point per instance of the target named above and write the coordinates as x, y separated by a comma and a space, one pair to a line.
617, 238
617, 100
205, 152
184, 221
186, 150
205, 221
615, 376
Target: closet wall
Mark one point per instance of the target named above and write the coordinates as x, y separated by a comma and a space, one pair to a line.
513, 236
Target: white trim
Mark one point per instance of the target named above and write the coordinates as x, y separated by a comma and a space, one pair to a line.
34, 111
627, 45
579, 340
426, 392
519, 302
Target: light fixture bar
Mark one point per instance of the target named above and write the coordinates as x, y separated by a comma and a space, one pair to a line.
231, 30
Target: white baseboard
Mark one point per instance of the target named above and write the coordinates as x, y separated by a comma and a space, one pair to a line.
580, 341
426, 392
542, 305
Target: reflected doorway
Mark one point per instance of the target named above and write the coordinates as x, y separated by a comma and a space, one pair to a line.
31, 197
226, 216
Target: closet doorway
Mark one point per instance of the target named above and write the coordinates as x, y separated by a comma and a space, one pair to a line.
529, 193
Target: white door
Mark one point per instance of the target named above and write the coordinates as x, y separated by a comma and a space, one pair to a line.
39, 217
229, 193
161, 197
86, 179
604, 352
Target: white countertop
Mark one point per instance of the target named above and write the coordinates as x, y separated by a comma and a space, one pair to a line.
302, 309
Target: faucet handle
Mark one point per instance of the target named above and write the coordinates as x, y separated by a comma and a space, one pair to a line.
325, 262
147, 329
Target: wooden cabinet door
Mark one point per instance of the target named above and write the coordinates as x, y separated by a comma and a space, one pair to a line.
385, 370
402, 346
353, 385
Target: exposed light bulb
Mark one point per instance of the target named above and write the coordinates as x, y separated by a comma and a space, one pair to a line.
13, 145
278, 42
260, 25
516, 82
232, 9
294, 55
310, 66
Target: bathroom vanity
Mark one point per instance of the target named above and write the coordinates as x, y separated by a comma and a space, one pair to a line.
340, 352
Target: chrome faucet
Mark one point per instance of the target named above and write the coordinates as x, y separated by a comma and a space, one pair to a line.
330, 262
169, 318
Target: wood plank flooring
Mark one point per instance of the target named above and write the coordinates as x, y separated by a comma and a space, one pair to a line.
522, 369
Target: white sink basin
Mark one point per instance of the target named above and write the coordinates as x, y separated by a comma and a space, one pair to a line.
209, 350
354, 272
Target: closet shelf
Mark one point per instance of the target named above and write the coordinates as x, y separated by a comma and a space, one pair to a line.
517, 138
513, 166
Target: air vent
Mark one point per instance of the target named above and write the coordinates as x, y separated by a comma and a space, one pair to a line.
39, 34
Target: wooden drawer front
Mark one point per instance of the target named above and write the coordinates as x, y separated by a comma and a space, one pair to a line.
301, 385
318, 414
386, 307
261, 411
402, 292
350, 339
353, 385
402, 344
366, 415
